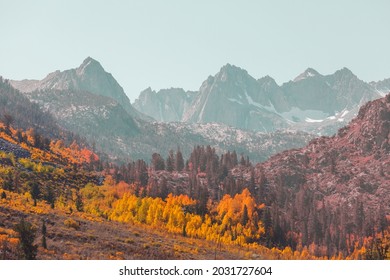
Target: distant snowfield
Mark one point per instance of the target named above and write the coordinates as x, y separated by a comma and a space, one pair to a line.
313, 116
313, 121
308, 115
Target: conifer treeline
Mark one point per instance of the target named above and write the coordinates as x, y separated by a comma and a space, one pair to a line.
203, 163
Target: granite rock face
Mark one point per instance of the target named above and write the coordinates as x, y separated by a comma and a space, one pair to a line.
235, 98
166, 105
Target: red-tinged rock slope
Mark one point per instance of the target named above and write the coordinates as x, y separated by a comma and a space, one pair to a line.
336, 190
354, 164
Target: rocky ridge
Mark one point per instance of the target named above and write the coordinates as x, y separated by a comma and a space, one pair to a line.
316, 103
90, 77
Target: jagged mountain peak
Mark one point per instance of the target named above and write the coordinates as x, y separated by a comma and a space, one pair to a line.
312, 71
268, 81
231, 67
89, 64
89, 60
235, 98
345, 72
90, 76
147, 91
268, 84
309, 72
229, 71
267, 78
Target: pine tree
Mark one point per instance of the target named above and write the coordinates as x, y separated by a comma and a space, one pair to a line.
19, 136
49, 197
382, 220
8, 183
248, 162
37, 139
141, 172
163, 188
7, 120
79, 203
34, 191
26, 237
252, 183
170, 161
44, 244
179, 163
242, 160
157, 162
245, 216
234, 159
268, 225
359, 217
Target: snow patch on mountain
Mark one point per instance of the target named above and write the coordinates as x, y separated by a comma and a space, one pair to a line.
313, 121
235, 100
307, 74
297, 115
345, 112
249, 99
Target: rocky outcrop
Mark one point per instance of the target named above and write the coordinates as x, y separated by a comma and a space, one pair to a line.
166, 105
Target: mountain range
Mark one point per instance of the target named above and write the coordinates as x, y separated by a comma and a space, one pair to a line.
89, 101
311, 102
81, 101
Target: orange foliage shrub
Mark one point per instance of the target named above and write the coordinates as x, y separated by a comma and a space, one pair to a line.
74, 154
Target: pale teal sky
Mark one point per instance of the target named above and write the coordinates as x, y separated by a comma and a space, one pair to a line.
179, 43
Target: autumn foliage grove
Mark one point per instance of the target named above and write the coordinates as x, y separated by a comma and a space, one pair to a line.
198, 200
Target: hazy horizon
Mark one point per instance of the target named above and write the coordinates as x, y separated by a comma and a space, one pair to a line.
180, 43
